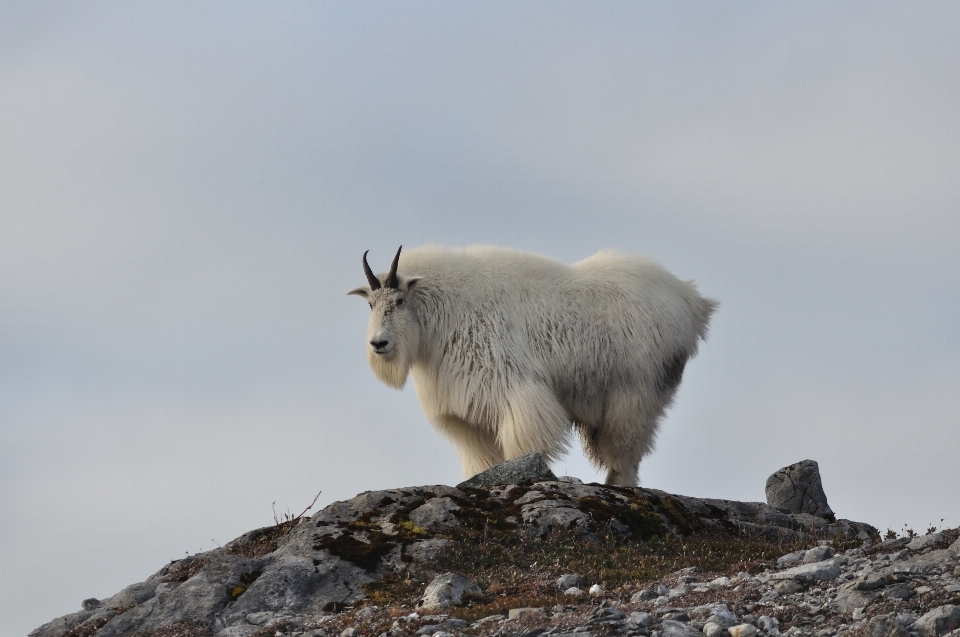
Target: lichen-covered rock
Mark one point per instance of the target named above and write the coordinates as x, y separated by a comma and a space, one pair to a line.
304, 572
548, 515
436, 514
798, 489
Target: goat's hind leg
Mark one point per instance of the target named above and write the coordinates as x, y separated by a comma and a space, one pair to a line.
621, 440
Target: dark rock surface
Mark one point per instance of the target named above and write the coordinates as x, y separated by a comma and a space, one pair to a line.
529, 467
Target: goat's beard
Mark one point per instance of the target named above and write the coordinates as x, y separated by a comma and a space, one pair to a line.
392, 370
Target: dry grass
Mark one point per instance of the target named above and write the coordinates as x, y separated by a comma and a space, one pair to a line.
516, 570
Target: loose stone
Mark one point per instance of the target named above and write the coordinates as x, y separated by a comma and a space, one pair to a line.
939, 621
568, 581
743, 630
446, 590
644, 596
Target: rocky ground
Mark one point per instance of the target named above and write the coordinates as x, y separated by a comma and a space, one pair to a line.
548, 556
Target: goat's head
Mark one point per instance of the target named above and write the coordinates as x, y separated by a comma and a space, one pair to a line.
393, 335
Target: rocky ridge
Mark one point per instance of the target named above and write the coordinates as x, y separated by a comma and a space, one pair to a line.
546, 556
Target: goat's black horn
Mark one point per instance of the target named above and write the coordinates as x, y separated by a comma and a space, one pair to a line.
371, 278
392, 281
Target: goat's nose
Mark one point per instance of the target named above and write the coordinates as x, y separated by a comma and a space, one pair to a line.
379, 344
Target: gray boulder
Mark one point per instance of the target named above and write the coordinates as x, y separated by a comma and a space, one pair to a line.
61, 625
200, 598
436, 515
851, 597
885, 626
427, 550
671, 628
569, 581
920, 564
826, 570
447, 590
924, 541
547, 515
798, 489
297, 584
723, 616
818, 554
132, 595
939, 621
529, 467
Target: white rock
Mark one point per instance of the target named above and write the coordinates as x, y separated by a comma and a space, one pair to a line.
261, 618
743, 630
349, 632
825, 570
446, 590
573, 591
720, 582
517, 613
489, 619
712, 629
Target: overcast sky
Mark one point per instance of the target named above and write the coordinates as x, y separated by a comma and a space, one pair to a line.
186, 190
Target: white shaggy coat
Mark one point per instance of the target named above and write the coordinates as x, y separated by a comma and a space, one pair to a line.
509, 349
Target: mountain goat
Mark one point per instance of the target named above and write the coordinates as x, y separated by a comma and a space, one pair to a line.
509, 349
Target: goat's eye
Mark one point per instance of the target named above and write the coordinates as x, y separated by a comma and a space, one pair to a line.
399, 301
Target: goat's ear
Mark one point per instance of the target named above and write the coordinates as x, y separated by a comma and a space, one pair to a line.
408, 284
361, 291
